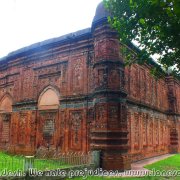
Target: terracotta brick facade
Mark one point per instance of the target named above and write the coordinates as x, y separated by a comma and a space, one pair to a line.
74, 93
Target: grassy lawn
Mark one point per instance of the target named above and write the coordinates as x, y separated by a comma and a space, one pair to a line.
171, 163
126, 178
14, 163
120, 178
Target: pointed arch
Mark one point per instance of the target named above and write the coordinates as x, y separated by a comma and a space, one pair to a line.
6, 104
48, 99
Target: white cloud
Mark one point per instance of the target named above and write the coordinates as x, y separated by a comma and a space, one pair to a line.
24, 22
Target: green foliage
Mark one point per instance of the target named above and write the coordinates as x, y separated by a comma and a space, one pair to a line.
153, 24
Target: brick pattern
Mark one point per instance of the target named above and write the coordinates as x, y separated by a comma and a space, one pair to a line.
122, 111
5, 132
149, 133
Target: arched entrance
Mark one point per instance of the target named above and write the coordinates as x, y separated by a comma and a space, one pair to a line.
5, 117
48, 106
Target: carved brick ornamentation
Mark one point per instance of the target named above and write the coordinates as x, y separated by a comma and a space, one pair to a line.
78, 75
114, 78
113, 116
122, 80
156, 131
64, 68
123, 112
62, 126
101, 117
6, 117
161, 133
134, 82
136, 131
49, 75
166, 135
142, 84
153, 101
32, 128
49, 123
151, 133
144, 132
27, 84
91, 115
92, 80
14, 129
49, 127
90, 121
102, 78
173, 140
5, 127
76, 118
60, 141
5, 132
22, 128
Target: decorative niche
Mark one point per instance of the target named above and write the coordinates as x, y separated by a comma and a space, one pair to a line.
6, 116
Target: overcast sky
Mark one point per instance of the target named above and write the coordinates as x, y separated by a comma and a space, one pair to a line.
24, 22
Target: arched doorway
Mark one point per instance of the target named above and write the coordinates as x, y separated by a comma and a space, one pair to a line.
5, 117
48, 106
48, 99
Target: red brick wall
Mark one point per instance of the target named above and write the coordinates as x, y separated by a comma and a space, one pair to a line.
88, 74
144, 89
153, 108
24, 78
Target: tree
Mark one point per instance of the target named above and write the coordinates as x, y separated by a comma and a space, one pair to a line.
155, 27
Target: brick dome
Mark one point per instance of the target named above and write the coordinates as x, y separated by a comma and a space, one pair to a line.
101, 13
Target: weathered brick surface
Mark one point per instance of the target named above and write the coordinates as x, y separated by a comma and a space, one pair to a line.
153, 113
124, 112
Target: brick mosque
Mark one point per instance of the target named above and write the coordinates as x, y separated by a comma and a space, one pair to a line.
73, 93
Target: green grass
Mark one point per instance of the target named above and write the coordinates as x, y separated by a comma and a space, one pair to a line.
171, 163
117, 178
14, 163
9, 162
124, 178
